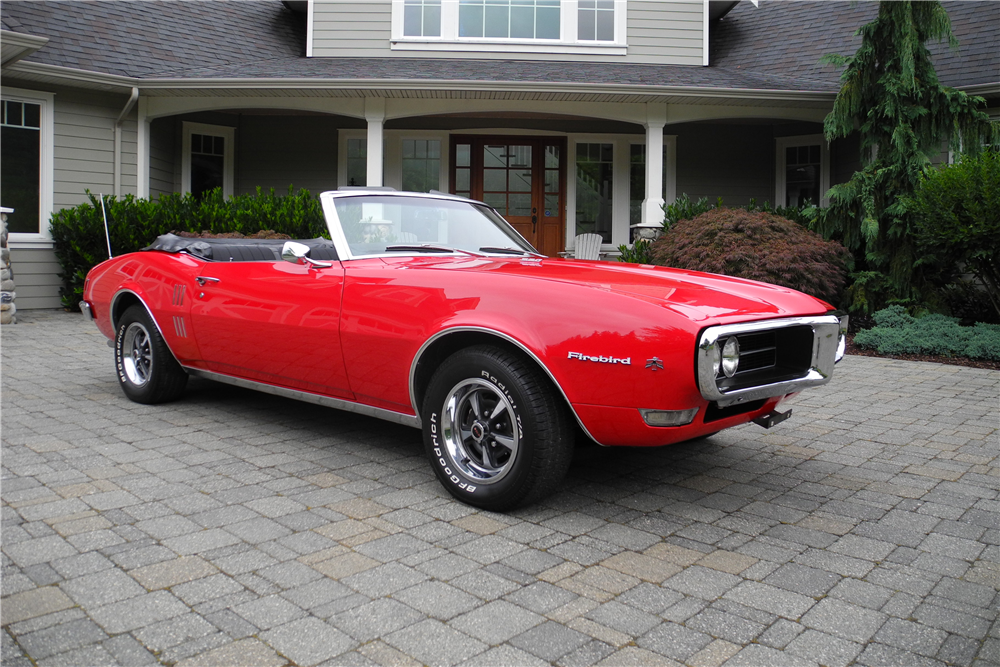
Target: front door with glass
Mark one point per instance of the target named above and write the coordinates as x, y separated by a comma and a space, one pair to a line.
522, 177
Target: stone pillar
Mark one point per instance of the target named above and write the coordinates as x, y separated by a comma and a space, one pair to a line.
7, 309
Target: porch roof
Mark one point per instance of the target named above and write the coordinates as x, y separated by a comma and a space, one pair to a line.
244, 48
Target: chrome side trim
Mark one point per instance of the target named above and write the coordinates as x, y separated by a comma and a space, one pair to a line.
492, 332
826, 339
308, 397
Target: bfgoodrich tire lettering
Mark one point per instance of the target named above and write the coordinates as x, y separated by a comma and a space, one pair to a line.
147, 371
494, 431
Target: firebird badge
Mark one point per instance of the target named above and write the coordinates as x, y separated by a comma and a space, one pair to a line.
627, 361
655, 364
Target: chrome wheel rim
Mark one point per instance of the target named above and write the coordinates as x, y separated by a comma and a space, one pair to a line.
137, 354
480, 431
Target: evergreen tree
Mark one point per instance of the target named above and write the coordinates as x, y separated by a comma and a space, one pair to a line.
891, 96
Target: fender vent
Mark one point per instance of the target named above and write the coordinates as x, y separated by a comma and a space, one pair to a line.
178, 299
180, 327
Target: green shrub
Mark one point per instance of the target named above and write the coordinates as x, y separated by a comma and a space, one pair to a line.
898, 332
133, 223
956, 212
637, 254
682, 208
755, 245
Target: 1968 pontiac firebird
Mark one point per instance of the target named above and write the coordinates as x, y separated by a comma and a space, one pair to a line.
430, 310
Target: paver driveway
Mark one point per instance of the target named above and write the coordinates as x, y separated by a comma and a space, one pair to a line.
235, 528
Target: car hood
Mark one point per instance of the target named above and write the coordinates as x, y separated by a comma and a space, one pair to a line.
705, 298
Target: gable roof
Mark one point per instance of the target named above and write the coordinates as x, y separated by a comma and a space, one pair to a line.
791, 37
252, 44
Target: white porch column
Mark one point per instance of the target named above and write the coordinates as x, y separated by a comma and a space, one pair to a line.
375, 115
142, 151
652, 205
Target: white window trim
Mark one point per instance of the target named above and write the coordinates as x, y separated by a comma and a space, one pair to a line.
342, 137
780, 144
310, 22
46, 167
619, 207
394, 156
568, 43
228, 160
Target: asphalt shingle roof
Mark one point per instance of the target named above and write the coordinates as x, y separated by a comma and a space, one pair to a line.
791, 37
775, 46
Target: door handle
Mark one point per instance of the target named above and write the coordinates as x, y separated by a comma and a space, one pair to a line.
534, 223
206, 279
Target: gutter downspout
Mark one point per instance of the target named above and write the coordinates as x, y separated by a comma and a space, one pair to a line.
133, 98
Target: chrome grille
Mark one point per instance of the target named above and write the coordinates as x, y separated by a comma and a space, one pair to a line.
776, 357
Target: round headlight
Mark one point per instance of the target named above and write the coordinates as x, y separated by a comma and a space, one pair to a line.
730, 357
716, 360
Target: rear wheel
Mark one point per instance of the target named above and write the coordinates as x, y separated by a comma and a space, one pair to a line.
496, 434
147, 371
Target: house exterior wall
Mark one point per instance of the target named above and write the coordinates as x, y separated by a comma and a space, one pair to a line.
734, 162
36, 274
278, 151
163, 153
83, 158
666, 32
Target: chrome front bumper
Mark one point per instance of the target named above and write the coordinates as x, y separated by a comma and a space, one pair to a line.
828, 333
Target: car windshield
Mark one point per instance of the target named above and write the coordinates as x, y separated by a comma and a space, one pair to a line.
383, 224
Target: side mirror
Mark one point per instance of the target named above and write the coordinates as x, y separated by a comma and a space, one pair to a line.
294, 252
298, 253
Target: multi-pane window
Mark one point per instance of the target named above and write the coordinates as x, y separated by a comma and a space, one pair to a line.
802, 175
20, 145
208, 163
507, 178
357, 161
509, 19
463, 170
422, 18
421, 164
594, 189
596, 20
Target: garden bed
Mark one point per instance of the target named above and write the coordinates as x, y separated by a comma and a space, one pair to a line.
953, 361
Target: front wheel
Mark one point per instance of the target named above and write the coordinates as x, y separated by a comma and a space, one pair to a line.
147, 371
495, 432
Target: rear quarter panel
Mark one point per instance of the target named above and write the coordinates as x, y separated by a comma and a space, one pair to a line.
162, 281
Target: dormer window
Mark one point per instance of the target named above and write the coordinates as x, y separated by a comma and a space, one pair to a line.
510, 26
596, 21
509, 19
422, 18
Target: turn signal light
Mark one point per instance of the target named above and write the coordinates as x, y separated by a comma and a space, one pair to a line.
668, 417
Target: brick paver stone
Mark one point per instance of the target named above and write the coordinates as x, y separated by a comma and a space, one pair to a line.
238, 528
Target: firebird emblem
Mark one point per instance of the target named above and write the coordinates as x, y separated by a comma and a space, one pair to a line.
655, 364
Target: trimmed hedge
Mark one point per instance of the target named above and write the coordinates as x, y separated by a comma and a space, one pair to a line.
898, 332
758, 246
134, 223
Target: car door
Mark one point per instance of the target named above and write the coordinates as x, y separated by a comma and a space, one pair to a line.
272, 321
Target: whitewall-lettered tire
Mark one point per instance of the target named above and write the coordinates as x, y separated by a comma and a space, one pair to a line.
495, 432
147, 371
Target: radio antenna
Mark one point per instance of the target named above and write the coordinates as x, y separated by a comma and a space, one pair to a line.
107, 234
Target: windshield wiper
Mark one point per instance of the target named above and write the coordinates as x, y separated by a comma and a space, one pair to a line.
509, 251
429, 247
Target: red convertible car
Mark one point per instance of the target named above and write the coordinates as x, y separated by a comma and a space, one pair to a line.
430, 310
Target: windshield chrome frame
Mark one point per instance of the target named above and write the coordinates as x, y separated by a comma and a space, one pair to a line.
328, 199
